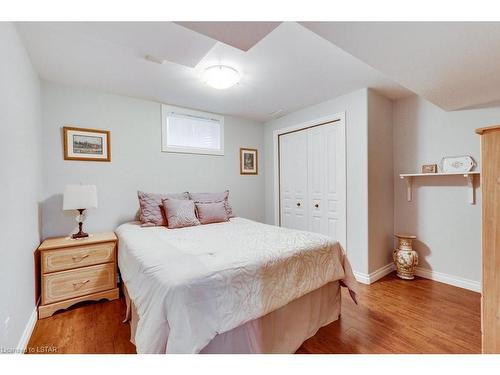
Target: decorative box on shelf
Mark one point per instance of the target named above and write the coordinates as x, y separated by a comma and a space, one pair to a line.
78, 270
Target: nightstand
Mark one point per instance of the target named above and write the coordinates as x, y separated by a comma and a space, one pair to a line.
73, 271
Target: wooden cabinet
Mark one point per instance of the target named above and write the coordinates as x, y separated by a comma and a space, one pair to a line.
490, 191
77, 270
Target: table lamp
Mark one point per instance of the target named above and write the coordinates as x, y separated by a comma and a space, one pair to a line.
79, 197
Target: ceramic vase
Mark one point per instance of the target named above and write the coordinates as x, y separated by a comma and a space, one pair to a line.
405, 258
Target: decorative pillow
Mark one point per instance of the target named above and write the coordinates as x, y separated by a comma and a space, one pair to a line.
180, 213
214, 197
214, 212
152, 207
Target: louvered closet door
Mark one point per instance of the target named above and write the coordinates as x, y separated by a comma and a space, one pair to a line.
293, 181
312, 180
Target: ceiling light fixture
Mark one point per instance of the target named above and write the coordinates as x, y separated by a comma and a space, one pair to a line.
221, 76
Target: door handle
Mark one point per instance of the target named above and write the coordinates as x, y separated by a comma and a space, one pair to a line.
298, 204
316, 205
80, 258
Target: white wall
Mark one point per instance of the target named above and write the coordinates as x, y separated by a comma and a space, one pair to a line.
380, 181
447, 226
355, 107
20, 185
137, 162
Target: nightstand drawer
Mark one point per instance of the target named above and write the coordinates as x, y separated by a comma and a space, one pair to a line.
79, 282
76, 257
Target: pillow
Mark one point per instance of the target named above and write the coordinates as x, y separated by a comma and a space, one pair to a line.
151, 207
180, 213
214, 212
214, 197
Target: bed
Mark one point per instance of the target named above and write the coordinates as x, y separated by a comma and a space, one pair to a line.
233, 287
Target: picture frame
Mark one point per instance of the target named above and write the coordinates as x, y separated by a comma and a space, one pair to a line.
429, 168
86, 144
249, 161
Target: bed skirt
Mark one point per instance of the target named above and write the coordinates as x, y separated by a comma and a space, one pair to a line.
281, 331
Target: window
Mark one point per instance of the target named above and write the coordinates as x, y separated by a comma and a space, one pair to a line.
188, 131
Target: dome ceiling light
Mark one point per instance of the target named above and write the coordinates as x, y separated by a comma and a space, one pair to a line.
221, 76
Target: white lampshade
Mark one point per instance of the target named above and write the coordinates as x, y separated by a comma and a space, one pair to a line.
79, 197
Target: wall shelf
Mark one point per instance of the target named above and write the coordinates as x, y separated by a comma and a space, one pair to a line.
468, 175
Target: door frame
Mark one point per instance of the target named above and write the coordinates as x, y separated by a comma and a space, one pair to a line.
339, 118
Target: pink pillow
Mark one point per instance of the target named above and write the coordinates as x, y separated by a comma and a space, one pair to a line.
214, 212
180, 213
214, 197
151, 207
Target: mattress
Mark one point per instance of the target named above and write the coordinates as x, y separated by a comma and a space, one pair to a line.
189, 285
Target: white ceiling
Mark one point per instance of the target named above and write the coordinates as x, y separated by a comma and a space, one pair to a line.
164, 40
454, 65
284, 66
289, 68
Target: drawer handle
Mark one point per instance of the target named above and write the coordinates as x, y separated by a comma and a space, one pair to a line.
298, 204
80, 284
80, 258
316, 205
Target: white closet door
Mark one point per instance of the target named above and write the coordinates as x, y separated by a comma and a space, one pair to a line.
326, 160
312, 180
293, 181
317, 176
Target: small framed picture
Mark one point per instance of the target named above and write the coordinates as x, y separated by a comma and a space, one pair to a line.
249, 163
86, 144
429, 168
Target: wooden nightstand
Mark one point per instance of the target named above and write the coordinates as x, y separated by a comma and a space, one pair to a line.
73, 271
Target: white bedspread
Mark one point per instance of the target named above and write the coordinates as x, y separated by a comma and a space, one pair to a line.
190, 284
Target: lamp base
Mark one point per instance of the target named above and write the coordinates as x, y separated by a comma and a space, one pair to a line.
81, 233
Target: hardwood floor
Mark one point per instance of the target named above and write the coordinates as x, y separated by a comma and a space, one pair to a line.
398, 316
393, 316
86, 328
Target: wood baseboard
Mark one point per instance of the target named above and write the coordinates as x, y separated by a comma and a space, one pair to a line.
45, 311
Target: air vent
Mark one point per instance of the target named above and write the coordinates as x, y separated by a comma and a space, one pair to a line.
154, 59
277, 114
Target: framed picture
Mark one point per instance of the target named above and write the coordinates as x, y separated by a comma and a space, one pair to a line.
429, 168
249, 163
86, 144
